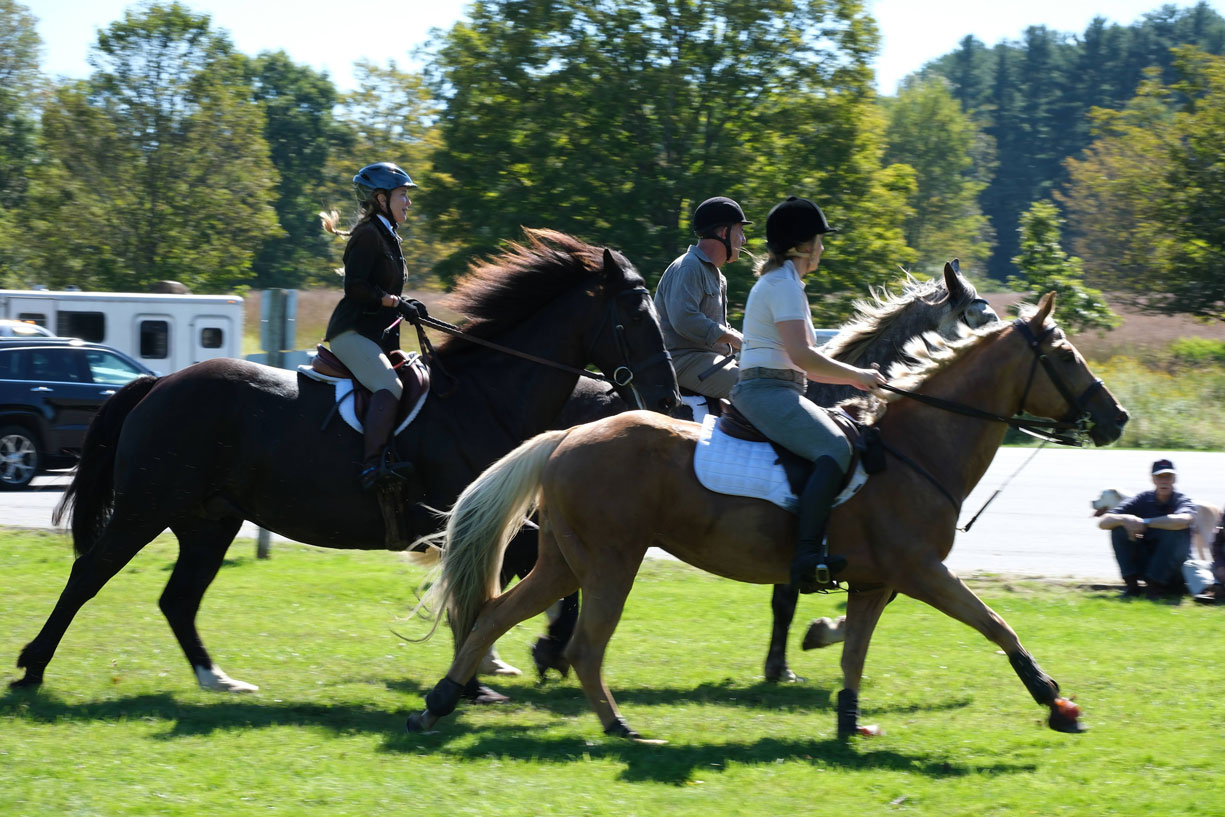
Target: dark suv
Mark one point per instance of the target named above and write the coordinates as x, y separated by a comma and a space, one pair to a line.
50, 389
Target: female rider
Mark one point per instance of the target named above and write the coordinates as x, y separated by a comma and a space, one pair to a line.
374, 274
778, 357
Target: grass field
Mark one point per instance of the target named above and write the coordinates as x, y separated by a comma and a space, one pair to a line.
119, 728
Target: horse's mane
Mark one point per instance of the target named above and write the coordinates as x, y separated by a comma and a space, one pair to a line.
513, 285
924, 357
892, 315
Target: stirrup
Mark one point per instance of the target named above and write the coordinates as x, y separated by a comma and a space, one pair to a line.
824, 575
384, 472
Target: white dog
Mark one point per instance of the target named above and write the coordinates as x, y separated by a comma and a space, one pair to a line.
1203, 526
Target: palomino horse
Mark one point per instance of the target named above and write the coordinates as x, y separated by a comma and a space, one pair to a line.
607, 491
205, 448
877, 333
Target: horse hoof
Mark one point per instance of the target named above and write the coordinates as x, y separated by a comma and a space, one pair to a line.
416, 724
1065, 717
26, 683
213, 679
782, 675
869, 730
547, 654
823, 632
484, 695
492, 665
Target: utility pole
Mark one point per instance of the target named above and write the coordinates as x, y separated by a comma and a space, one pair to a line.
277, 325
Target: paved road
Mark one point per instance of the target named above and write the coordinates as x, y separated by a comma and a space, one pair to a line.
1040, 525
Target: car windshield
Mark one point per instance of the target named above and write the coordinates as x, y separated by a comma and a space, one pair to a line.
110, 369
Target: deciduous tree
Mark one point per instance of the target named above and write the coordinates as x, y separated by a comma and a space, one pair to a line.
156, 165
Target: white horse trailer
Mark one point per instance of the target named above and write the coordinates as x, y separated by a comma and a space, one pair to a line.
165, 332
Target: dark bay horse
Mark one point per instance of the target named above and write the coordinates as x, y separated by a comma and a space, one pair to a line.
201, 450
877, 332
607, 491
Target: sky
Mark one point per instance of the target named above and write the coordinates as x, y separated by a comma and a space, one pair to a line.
330, 35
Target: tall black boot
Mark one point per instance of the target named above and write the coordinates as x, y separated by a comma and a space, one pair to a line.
380, 422
813, 569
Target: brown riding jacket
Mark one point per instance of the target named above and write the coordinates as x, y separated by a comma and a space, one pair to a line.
374, 267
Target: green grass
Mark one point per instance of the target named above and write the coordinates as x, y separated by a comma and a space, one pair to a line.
120, 728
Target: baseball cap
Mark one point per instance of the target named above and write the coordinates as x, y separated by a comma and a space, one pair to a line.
1163, 467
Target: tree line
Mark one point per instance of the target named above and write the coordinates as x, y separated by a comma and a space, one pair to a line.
181, 158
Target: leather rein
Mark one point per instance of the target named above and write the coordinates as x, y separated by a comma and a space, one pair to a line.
622, 376
1071, 430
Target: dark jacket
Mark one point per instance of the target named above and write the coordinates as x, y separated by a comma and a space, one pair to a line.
374, 267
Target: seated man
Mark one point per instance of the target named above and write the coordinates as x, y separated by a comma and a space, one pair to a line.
1151, 534
691, 300
1206, 578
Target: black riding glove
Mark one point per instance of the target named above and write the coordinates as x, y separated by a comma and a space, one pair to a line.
412, 310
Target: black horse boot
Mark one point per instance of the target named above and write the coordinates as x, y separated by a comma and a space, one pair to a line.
380, 421
813, 568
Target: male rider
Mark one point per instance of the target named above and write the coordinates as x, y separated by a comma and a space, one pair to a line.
691, 300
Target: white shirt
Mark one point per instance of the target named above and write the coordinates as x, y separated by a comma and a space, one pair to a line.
777, 296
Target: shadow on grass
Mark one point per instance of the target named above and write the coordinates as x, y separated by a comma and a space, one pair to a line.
677, 763
566, 698
672, 763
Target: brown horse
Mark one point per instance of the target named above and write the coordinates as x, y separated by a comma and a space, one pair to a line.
608, 490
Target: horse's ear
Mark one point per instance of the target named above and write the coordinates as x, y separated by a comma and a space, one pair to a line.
1046, 306
953, 282
611, 267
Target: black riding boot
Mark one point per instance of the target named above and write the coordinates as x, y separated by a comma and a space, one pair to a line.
380, 421
813, 569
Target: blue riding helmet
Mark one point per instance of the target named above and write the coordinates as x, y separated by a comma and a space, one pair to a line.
380, 176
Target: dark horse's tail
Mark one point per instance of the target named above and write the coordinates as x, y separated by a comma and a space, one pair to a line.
90, 497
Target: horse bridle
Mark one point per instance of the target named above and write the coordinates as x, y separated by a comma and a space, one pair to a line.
1078, 422
622, 376
1071, 430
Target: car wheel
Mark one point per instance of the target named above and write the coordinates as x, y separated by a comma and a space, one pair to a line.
20, 458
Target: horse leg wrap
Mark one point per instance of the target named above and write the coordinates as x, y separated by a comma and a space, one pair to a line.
620, 729
848, 713
443, 697
1040, 685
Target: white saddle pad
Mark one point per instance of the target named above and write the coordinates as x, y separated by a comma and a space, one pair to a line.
344, 388
727, 465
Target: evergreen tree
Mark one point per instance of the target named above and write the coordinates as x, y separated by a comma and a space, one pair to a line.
1045, 267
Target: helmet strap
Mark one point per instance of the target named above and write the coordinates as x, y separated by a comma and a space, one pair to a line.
725, 240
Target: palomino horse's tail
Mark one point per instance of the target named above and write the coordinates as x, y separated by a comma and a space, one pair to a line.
484, 519
91, 495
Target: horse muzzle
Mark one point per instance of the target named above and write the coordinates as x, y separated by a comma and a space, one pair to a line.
1108, 429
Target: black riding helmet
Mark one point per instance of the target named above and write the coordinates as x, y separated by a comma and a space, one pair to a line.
716, 212
792, 222
379, 176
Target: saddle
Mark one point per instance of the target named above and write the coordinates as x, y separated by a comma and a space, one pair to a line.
867, 448
413, 373
401, 520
